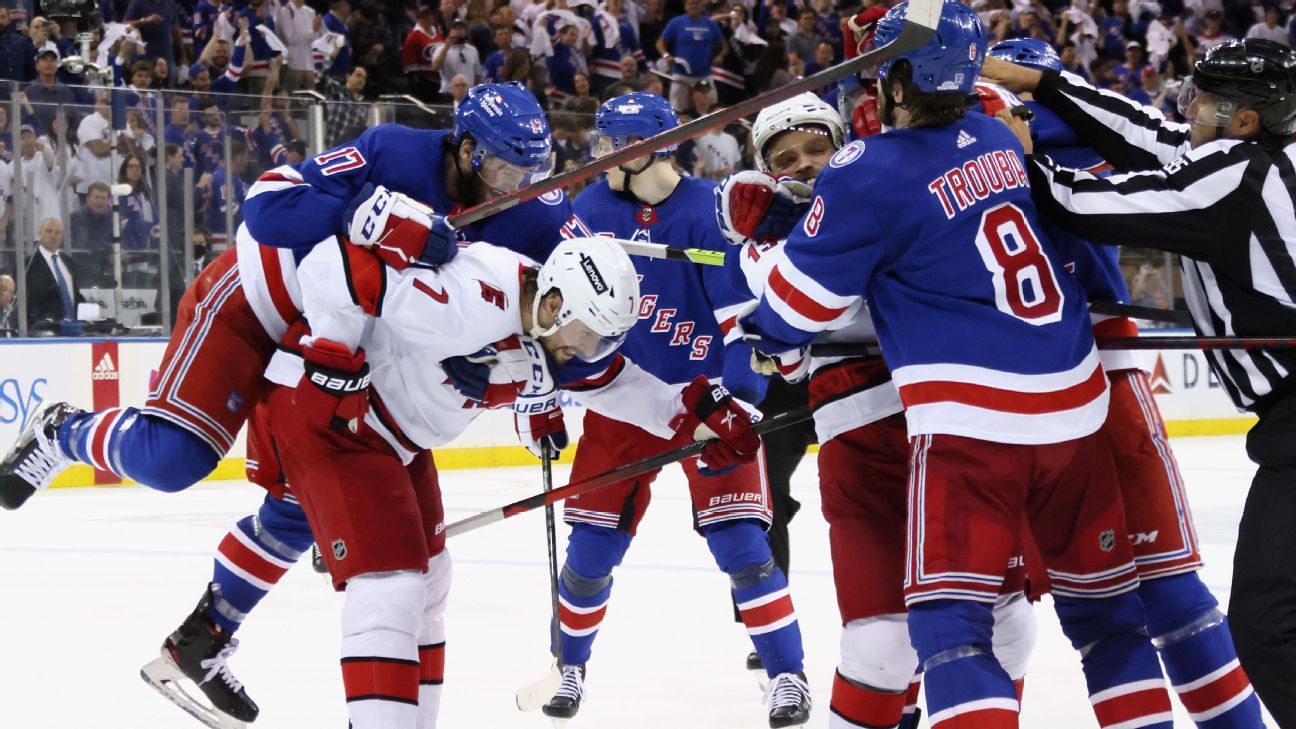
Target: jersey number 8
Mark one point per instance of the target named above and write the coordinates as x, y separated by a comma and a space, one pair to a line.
1024, 283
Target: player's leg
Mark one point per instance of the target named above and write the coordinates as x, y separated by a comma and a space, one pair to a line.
432, 630
1078, 522
1014, 636
603, 523
376, 548
863, 480
210, 378
1183, 618
965, 503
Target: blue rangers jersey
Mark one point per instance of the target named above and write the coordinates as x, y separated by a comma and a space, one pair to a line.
985, 334
687, 312
296, 206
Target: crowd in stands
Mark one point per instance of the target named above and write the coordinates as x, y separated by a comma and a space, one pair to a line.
218, 79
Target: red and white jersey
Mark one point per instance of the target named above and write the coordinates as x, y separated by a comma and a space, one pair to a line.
845, 392
269, 277
408, 322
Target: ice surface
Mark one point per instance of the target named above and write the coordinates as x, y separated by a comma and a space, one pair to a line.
94, 579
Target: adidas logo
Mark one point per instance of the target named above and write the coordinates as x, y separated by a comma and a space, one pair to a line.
105, 370
964, 139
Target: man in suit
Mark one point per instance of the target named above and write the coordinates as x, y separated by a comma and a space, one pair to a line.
51, 278
8, 306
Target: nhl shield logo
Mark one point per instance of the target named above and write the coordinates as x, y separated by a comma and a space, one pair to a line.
1107, 540
339, 549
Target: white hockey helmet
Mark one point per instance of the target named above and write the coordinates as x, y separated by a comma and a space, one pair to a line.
600, 292
802, 110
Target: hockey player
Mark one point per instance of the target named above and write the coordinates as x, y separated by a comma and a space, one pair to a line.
239, 307
1182, 199
1002, 404
399, 362
685, 332
1183, 618
863, 457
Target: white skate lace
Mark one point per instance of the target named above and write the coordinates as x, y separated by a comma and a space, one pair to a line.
216, 667
43, 463
572, 684
787, 689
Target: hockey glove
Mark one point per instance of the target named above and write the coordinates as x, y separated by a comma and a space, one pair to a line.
400, 230
713, 415
491, 377
538, 421
334, 391
754, 207
792, 365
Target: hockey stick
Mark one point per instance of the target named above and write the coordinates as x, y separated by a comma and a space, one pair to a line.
615, 475
921, 19
853, 349
708, 257
534, 695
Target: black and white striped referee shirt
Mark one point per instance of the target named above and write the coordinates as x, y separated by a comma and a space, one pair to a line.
1228, 207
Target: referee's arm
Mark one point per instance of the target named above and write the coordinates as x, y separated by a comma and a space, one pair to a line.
1196, 206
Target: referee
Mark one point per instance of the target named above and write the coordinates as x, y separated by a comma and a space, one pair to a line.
1220, 191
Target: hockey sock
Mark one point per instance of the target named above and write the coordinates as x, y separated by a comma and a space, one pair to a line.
911, 712
966, 686
253, 556
857, 706
1120, 666
432, 640
138, 447
760, 590
585, 586
1197, 651
381, 622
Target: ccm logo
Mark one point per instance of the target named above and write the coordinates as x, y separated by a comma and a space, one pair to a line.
733, 499
338, 384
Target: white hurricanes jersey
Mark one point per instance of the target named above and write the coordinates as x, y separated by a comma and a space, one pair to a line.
408, 322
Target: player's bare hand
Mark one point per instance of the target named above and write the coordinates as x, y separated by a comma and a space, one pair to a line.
1017, 79
1018, 126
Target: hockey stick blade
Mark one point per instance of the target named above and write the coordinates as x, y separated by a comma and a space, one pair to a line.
671, 253
534, 695
615, 475
921, 19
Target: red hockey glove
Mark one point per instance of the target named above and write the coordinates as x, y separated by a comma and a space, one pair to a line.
334, 392
755, 207
712, 414
400, 230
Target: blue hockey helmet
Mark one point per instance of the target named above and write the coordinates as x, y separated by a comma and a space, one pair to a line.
1027, 52
952, 58
636, 115
514, 146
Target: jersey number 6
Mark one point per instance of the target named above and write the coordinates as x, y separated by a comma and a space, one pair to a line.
1024, 283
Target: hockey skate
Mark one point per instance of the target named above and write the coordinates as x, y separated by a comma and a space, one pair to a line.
566, 700
36, 457
788, 697
198, 651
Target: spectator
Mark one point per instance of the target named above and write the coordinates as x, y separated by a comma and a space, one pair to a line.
458, 89
136, 209
296, 24
17, 54
1130, 72
691, 43
229, 190
345, 114
175, 191
1071, 63
1078, 28
631, 76
161, 73
335, 21
564, 64
39, 166
264, 58
369, 33
1213, 34
457, 56
716, 154
1271, 28
778, 20
204, 21
701, 98
156, 22
6, 136
295, 152
1029, 26
51, 278
140, 99
182, 130
46, 94
8, 306
209, 142
94, 135
1115, 31
92, 222
828, 24
823, 58
518, 68
805, 40
1161, 38
420, 48
614, 39
493, 68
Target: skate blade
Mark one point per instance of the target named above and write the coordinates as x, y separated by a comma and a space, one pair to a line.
165, 678
534, 695
762, 679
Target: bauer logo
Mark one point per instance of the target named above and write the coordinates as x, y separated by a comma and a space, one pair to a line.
1107, 540
592, 273
847, 154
